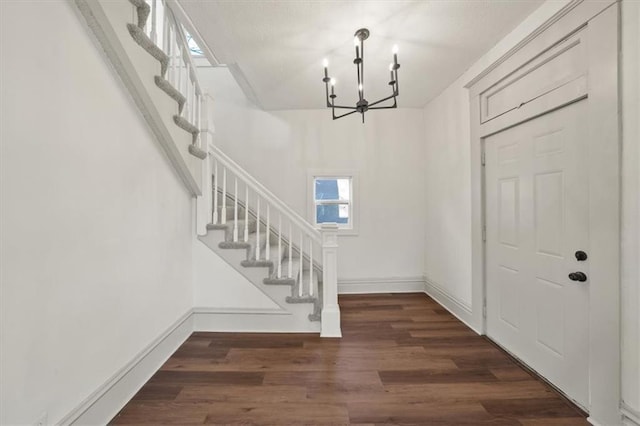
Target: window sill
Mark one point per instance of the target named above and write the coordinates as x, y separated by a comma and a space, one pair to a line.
346, 232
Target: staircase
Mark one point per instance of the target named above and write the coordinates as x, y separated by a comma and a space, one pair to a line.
271, 262
237, 218
272, 246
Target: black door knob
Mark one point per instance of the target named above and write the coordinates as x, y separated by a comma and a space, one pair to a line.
580, 255
578, 276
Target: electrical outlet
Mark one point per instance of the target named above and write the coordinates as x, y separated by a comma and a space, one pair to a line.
42, 420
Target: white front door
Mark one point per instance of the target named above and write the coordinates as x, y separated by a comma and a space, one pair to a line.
536, 186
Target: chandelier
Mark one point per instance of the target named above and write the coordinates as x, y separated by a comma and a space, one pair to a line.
362, 105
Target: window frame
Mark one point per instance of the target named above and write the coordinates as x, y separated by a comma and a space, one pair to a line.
343, 229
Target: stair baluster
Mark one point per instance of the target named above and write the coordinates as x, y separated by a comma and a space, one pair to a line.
279, 246
165, 33
153, 35
235, 211
179, 65
300, 283
246, 213
215, 191
223, 210
187, 88
189, 109
172, 57
170, 67
194, 102
290, 257
267, 249
310, 266
258, 228
199, 119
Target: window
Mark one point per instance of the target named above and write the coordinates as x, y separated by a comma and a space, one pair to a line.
332, 199
193, 46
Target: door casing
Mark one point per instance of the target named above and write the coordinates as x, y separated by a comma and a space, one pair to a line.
599, 21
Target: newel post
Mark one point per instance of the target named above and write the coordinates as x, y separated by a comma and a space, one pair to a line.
330, 308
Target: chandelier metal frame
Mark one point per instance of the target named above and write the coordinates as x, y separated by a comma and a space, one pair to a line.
362, 105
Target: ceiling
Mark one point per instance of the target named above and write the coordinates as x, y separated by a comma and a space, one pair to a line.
275, 48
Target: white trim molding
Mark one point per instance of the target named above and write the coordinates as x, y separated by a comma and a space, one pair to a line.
552, 20
109, 398
630, 226
240, 320
459, 309
381, 285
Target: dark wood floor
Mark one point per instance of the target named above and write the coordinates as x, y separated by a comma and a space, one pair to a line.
403, 360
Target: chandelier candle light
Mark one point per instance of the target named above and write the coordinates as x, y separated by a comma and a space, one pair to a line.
362, 105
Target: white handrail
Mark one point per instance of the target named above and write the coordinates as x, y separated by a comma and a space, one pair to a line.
264, 193
186, 56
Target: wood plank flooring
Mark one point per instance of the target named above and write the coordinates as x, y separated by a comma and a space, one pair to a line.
403, 360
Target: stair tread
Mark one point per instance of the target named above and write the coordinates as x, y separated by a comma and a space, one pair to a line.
253, 263
280, 281
229, 224
253, 237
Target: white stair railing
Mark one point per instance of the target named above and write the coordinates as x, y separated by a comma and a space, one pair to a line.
284, 242
168, 34
252, 202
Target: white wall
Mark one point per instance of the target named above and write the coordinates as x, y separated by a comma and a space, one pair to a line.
279, 148
631, 204
447, 255
96, 229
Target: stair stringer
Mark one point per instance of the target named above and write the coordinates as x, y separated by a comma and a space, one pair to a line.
137, 69
279, 294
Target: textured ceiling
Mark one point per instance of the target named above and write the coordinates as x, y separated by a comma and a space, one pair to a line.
275, 48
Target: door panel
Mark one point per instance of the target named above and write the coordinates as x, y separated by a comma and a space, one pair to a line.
536, 215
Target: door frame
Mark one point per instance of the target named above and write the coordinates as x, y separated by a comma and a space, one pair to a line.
600, 23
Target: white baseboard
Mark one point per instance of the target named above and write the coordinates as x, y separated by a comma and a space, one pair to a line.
593, 422
234, 320
103, 404
459, 309
630, 416
106, 401
381, 285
